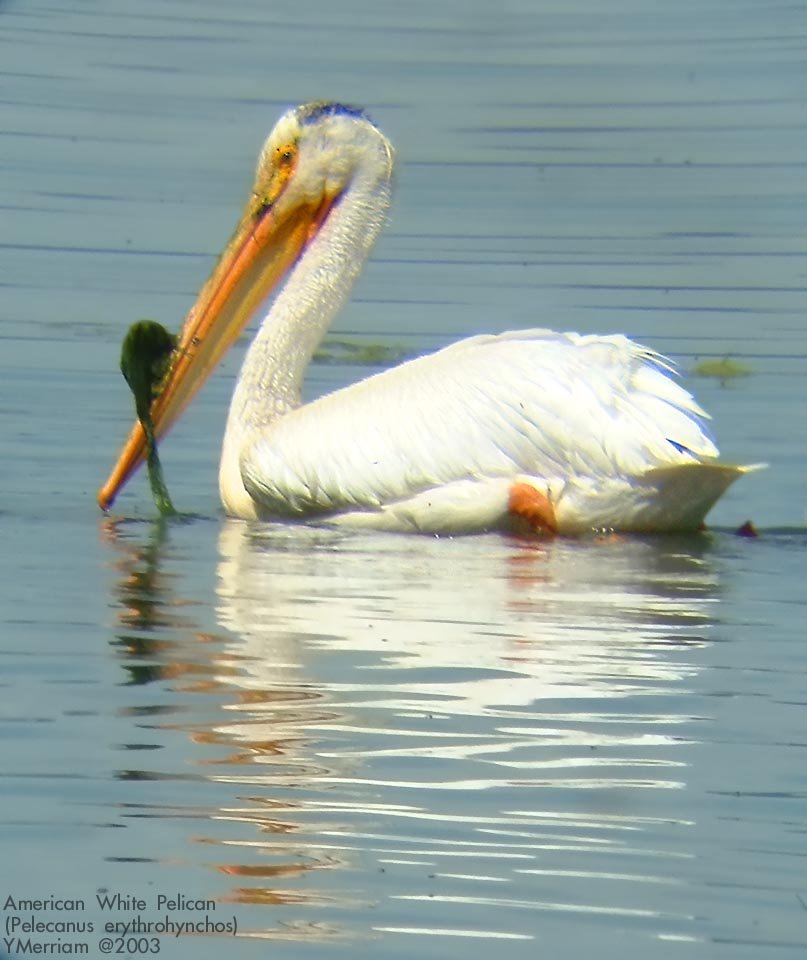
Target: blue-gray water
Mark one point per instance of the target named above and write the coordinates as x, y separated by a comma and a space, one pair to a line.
390, 746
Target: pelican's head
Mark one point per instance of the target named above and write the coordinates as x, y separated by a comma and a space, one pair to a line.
308, 162
315, 151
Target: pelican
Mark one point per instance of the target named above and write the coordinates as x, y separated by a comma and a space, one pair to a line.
558, 432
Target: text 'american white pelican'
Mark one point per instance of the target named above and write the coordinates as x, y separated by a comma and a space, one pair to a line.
561, 432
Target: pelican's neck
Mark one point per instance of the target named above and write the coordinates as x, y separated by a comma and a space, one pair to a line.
320, 282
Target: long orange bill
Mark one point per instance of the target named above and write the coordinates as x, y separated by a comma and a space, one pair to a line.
260, 252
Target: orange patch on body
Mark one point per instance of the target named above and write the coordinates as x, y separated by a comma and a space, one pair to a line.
531, 505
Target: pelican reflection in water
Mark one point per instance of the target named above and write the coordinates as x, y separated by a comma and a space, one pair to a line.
527, 711
561, 432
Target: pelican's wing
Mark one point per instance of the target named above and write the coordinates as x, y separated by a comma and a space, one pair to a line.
535, 403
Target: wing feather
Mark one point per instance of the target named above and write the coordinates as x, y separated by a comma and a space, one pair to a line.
530, 402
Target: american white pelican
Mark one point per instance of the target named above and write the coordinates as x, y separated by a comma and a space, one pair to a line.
565, 433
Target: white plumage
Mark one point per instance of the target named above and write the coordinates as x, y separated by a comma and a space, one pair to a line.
595, 430
435, 444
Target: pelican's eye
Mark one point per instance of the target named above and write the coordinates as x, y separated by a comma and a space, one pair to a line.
273, 178
284, 161
285, 155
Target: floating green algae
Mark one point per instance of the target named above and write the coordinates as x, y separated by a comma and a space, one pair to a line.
360, 353
721, 369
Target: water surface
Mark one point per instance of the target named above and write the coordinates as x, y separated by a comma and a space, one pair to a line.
392, 745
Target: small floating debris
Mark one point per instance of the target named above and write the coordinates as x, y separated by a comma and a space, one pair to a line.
356, 352
722, 369
144, 362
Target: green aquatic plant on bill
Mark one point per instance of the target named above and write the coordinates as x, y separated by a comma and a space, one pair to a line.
145, 360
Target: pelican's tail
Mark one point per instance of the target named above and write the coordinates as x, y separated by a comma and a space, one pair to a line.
661, 500
683, 494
